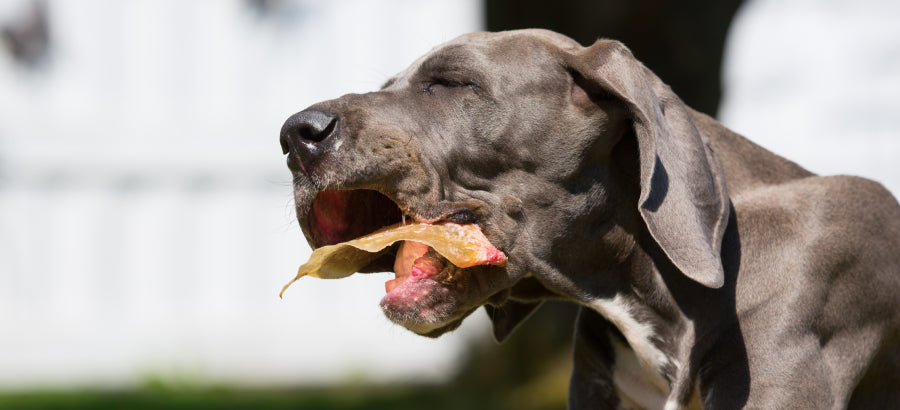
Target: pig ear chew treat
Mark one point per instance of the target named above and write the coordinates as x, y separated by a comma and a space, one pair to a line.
462, 245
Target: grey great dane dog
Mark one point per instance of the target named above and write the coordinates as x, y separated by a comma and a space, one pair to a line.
710, 272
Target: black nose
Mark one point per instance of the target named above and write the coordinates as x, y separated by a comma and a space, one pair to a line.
304, 130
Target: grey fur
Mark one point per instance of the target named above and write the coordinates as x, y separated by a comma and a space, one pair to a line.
763, 285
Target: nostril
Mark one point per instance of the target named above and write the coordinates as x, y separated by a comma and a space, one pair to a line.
313, 131
307, 126
285, 146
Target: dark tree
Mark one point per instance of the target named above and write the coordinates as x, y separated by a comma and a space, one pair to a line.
681, 41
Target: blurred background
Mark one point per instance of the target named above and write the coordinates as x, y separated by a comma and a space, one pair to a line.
146, 218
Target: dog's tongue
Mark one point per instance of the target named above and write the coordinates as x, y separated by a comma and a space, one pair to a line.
462, 245
413, 260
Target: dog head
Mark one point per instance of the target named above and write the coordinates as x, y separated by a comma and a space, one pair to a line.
559, 152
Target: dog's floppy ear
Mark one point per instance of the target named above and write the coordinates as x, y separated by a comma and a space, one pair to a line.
509, 316
683, 198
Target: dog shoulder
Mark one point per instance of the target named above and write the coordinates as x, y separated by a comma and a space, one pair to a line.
859, 220
837, 238
851, 210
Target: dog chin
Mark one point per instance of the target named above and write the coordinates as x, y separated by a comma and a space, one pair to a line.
429, 330
423, 306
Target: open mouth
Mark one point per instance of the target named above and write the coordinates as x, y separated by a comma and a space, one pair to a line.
365, 231
368, 219
338, 216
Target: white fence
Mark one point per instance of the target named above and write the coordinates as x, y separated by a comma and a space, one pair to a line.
146, 222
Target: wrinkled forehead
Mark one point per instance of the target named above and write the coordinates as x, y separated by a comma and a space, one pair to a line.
480, 50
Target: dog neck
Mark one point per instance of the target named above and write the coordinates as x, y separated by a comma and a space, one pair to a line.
655, 333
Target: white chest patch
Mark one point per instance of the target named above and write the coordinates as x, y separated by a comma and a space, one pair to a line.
636, 369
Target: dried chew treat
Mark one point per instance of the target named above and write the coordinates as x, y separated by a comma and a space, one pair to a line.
462, 245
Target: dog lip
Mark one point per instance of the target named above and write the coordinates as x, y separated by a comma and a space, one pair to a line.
446, 212
460, 215
421, 304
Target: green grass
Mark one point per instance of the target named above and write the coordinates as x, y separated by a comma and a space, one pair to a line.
528, 372
349, 398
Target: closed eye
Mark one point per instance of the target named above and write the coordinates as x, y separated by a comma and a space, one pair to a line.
436, 84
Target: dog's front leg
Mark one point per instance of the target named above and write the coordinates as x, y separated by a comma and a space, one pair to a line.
591, 385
